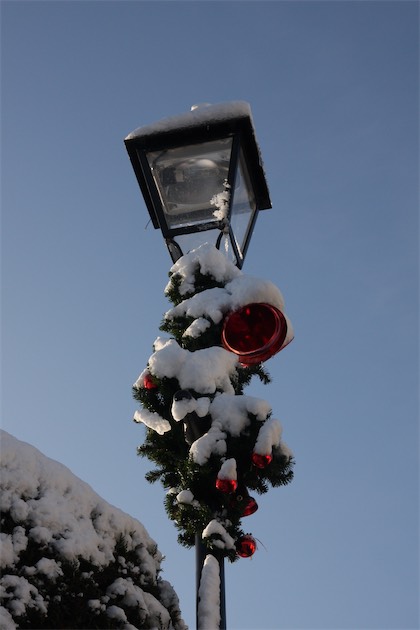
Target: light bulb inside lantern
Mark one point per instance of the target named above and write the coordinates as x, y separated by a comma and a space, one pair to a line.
188, 177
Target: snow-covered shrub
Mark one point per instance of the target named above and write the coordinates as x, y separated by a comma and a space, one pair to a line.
70, 560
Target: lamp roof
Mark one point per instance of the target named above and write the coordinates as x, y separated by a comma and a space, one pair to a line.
208, 116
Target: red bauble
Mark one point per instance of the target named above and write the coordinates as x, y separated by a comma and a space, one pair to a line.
149, 382
250, 507
226, 485
246, 546
261, 461
243, 502
255, 332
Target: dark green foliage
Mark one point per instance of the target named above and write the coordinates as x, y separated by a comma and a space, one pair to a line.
67, 596
201, 283
245, 375
177, 326
170, 451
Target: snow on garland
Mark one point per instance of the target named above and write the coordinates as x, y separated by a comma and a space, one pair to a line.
209, 441
68, 558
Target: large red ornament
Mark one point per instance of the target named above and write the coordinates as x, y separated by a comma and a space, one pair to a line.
255, 332
261, 461
226, 485
149, 382
246, 546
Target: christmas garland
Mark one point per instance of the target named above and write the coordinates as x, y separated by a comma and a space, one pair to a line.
210, 443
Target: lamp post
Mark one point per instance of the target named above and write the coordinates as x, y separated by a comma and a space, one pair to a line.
202, 179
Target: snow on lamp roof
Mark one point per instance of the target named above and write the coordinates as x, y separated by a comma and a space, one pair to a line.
219, 115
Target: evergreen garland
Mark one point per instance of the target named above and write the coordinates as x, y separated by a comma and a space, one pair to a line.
170, 451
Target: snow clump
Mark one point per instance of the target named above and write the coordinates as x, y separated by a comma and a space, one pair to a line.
209, 595
223, 539
228, 469
207, 260
204, 371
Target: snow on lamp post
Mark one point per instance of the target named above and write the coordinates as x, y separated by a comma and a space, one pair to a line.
203, 183
201, 177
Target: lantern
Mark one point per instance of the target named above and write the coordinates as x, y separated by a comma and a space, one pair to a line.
202, 178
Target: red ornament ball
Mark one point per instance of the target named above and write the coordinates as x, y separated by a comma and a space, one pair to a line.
246, 546
226, 485
261, 461
250, 507
149, 382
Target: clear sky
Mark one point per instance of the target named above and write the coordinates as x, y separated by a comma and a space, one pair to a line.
333, 88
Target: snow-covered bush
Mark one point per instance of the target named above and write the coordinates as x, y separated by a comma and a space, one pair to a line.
69, 559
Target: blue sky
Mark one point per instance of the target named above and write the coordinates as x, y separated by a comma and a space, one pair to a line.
333, 88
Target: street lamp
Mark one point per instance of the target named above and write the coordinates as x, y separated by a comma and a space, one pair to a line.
202, 178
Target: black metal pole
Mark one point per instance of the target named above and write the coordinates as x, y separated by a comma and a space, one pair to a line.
200, 555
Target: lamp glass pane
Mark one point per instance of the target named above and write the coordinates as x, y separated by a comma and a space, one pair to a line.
188, 177
243, 206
